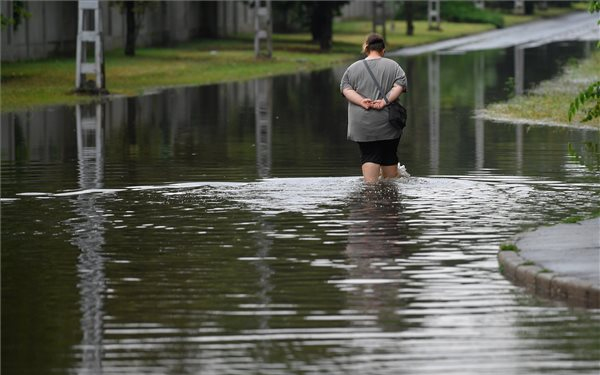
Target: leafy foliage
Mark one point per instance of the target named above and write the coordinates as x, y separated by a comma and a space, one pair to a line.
589, 94
465, 11
509, 247
20, 13
587, 154
453, 11
592, 92
321, 15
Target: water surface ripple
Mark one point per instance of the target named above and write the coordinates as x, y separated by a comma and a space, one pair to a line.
318, 275
224, 230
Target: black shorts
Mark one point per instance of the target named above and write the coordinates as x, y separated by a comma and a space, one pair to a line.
379, 152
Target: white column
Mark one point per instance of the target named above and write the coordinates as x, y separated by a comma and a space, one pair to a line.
519, 70
519, 7
88, 34
433, 14
263, 28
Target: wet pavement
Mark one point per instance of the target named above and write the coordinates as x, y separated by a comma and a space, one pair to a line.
561, 262
567, 249
576, 26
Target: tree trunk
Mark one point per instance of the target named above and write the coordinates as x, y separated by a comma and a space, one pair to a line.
529, 7
325, 40
315, 25
131, 28
408, 12
322, 24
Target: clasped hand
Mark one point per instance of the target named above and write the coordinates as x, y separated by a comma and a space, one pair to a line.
367, 103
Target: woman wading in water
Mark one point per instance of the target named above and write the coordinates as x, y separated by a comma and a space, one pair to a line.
368, 123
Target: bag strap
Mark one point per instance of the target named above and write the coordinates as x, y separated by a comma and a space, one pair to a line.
376, 82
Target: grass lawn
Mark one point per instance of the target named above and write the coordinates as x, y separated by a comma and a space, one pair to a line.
549, 101
30, 84
349, 36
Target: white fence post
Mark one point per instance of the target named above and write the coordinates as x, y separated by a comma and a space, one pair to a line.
88, 34
263, 27
519, 7
433, 14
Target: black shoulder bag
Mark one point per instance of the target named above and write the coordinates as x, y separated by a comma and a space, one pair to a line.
397, 113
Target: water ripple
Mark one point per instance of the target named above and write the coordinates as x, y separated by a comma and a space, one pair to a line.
320, 275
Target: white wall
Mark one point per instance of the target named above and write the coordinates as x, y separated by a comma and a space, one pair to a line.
52, 28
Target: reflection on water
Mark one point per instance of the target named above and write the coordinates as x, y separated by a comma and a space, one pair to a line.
263, 109
433, 80
88, 235
225, 229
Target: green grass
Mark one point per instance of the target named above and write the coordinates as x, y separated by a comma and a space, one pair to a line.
509, 247
350, 35
47, 82
549, 101
515, 19
37, 83
578, 218
28, 84
572, 219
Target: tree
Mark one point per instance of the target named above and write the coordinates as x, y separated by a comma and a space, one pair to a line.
287, 16
408, 13
529, 7
315, 16
18, 15
592, 93
321, 15
134, 13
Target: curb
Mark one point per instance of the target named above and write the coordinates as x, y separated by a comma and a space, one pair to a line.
570, 290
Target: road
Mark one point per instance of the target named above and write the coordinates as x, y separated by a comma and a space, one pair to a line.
574, 26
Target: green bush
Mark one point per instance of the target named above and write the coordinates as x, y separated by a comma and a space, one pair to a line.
509, 247
465, 11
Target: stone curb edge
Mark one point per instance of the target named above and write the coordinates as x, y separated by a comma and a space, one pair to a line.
547, 284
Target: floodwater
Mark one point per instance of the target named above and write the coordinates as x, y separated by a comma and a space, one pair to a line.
225, 230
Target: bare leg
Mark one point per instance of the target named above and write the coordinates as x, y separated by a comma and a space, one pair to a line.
389, 171
370, 172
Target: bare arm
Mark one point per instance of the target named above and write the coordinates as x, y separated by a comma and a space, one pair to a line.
395, 92
355, 98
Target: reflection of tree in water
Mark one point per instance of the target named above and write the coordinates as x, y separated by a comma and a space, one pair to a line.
375, 238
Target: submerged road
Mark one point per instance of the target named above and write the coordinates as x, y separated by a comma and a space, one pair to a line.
574, 26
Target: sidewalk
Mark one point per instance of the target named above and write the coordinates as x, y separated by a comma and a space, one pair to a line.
560, 262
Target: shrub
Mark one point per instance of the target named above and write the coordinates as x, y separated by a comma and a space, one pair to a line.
464, 11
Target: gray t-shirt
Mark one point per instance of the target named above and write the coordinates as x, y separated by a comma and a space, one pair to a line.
371, 125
